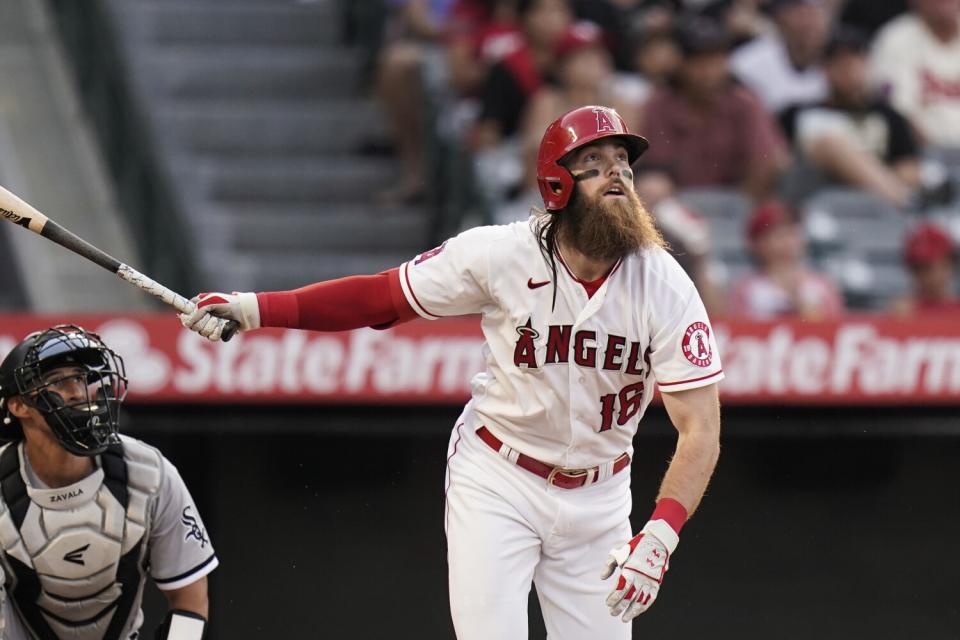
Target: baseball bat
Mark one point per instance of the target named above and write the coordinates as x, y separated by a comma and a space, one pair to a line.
20, 213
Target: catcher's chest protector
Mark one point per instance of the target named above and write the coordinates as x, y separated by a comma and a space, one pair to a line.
76, 557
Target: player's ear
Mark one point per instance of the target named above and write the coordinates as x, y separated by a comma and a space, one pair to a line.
17, 407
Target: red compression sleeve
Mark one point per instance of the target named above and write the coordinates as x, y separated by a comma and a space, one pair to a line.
338, 305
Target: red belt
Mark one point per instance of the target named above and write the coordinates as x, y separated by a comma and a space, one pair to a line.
557, 476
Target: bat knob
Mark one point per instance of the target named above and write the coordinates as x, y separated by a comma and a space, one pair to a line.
230, 328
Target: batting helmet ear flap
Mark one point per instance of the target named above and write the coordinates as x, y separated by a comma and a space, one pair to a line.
556, 189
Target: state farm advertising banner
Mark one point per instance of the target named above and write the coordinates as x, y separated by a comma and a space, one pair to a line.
858, 361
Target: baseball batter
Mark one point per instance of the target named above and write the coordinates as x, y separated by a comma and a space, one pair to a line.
85, 513
584, 314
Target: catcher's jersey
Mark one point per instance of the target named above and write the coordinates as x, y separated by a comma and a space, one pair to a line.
567, 385
76, 558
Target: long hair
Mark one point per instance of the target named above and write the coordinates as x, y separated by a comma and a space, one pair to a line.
546, 229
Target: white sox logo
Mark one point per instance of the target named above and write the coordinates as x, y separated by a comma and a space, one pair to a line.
194, 530
604, 123
696, 344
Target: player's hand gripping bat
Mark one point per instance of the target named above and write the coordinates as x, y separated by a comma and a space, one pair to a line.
18, 212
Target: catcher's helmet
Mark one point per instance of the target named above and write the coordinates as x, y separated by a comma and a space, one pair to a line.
572, 131
81, 406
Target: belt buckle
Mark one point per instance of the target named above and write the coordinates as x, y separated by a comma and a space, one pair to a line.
575, 473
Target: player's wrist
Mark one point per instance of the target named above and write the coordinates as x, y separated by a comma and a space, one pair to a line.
278, 309
180, 624
249, 311
671, 512
666, 522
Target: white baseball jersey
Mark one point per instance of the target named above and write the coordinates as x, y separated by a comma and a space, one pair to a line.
922, 75
87, 556
567, 385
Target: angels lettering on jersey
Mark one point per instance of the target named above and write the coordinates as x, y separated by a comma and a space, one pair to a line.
566, 382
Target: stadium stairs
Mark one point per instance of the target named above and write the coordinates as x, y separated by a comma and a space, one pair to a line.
49, 158
257, 112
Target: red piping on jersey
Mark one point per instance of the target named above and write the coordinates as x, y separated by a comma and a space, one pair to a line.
406, 275
591, 286
667, 384
338, 305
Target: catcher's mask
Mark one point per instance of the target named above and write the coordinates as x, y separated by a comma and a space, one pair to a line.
74, 380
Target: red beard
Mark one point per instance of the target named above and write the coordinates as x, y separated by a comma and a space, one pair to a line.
608, 228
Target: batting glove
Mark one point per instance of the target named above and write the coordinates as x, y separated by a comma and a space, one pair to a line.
212, 308
642, 562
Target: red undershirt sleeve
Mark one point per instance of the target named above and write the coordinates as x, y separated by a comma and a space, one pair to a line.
338, 305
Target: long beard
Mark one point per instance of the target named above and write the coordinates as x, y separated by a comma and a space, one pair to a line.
608, 229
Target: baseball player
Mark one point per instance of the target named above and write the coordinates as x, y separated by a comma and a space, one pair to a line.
584, 313
85, 513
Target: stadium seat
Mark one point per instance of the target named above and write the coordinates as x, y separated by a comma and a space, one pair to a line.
856, 238
726, 212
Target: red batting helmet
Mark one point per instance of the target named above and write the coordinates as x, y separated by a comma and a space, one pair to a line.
572, 131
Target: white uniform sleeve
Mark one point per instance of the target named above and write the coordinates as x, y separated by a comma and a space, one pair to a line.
180, 549
892, 69
451, 280
683, 347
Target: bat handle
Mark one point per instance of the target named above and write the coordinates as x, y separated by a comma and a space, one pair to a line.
170, 297
230, 328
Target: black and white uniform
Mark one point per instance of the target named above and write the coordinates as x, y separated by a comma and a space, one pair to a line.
76, 558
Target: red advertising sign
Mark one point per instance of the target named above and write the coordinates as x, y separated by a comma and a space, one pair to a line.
858, 361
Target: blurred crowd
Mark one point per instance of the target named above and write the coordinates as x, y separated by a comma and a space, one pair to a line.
795, 145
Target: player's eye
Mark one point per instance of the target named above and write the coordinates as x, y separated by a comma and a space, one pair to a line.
65, 383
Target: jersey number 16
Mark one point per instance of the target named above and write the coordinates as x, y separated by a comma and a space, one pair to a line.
631, 399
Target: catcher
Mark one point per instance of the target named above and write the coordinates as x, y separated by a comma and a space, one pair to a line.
85, 513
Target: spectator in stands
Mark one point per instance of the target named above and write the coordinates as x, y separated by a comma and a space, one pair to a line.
853, 136
745, 20
514, 80
870, 15
930, 256
413, 35
916, 57
783, 66
706, 130
615, 18
686, 232
782, 285
480, 34
656, 59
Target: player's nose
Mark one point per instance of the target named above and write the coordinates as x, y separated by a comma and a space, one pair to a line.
73, 390
614, 166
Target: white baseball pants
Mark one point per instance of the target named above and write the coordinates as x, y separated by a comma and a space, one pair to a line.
507, 528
